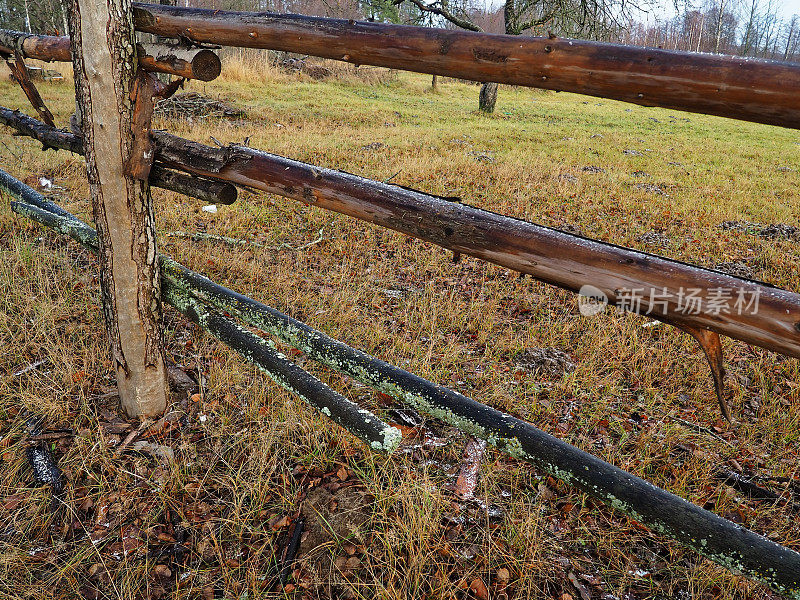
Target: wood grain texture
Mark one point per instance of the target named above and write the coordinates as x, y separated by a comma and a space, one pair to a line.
555, 257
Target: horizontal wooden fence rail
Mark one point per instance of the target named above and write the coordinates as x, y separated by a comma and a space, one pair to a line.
555, 257
191, 63
737, 87
770, 320
209, 190
204, 301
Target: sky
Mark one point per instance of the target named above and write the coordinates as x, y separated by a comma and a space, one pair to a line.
784, 8
789, 7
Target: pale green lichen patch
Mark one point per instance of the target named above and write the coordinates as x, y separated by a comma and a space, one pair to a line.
355, 364
259, 351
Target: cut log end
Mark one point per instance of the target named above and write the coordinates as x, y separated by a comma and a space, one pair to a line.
206, 65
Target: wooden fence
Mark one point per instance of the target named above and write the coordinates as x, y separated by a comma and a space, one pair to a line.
761, 91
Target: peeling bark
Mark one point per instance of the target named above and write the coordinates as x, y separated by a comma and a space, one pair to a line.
105, 62
20, 73
467, 479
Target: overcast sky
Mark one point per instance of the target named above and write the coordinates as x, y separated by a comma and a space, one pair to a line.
790, 7
784, 8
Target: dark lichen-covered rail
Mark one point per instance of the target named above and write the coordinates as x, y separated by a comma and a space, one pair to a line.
724, 542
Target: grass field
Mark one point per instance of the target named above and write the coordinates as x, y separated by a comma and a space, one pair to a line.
210, 522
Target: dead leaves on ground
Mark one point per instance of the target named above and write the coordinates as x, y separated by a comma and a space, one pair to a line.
174, 537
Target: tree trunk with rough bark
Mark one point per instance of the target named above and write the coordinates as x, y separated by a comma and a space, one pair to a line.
104, 61
488, 97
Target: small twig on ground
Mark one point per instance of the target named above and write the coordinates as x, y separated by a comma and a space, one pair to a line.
14, 154
211, 237
133, 435
286, 246
51, 435
30, 367
287, 555
316, 241
700, 429
291, 550
388, 179
746, 485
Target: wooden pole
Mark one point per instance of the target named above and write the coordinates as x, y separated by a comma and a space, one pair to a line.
754, 312
105, 60
765, 91
191, 63
669, 290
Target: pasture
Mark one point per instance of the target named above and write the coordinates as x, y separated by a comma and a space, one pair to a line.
203, 510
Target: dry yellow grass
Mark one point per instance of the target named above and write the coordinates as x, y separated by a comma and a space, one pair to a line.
239, 451
244, 66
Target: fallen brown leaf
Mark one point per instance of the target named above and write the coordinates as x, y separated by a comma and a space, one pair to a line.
479, 589
162, 571
12, 502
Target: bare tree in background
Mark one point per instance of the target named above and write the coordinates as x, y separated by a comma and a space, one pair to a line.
718, 27
792, 37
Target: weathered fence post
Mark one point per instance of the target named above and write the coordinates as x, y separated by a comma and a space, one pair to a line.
105, 64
